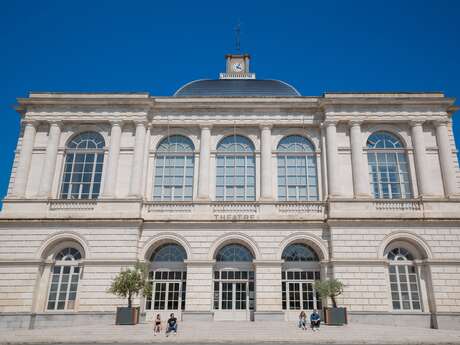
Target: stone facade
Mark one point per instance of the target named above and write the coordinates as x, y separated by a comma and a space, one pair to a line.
347, 227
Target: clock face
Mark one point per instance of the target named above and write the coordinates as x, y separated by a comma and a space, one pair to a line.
237, 67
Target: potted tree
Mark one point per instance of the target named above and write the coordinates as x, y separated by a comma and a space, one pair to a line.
332, 288
128, 284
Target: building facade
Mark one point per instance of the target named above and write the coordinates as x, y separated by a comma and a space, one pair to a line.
239, 193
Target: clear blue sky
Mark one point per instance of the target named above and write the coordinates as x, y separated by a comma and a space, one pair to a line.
157, 46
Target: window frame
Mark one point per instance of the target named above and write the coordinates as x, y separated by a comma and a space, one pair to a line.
79, 156
388, 161
245, 182
165, 155
307, 171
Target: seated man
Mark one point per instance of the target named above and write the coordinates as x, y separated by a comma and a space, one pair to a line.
171, 324
315, 320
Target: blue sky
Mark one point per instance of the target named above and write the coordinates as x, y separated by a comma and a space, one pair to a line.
157, 46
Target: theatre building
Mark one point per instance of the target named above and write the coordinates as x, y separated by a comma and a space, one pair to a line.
239, 193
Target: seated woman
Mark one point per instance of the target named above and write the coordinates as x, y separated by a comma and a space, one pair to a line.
157, 325
315, 320
303, 320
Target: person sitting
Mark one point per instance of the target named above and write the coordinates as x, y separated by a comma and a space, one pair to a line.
157, 325
315, 320
171, 324
303, 320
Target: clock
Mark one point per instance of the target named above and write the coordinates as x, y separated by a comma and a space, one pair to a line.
237, 67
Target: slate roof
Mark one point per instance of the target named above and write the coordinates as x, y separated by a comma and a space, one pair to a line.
236, 88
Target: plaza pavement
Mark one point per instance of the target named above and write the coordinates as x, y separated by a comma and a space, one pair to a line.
232, 332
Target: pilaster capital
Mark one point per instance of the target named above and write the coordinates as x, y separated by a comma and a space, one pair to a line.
266, 126
140, 123
116, 123
30, 123
56, 123
441, 122
416, 123
205, 126
329, 123
355, 123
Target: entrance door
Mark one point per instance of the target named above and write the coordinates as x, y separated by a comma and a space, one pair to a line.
168, 295
233, 295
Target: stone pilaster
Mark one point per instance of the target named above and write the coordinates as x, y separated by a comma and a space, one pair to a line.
49, 166
138, 160
332, 158
445, 159
424, 183
268, 290
25, 156
110, 182
266, 162
205, 153
360, 172
198, 304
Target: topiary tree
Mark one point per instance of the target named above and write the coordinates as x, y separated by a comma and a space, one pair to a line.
329, 288
131, 282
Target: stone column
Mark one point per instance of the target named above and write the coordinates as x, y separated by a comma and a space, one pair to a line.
445, 159
49, 166
138, 160
25, 156
359, 171
332, 158
266, 162
268, 291
110, 183
420, 160
203, 174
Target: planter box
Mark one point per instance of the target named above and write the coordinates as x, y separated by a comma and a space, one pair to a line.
335, 316
127, 316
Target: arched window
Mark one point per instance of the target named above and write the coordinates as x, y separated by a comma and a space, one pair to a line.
84, 160
64, 280
168, 277
234, 285
300, 270
297, 176
174, 169
169, 253
388, 167
234, 252
299, 252
235, 176
405, 291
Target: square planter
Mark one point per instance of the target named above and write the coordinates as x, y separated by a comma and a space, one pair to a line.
335, 316
127, 316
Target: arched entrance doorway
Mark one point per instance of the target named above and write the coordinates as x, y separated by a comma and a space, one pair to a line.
301, 268
168, 275
234, 283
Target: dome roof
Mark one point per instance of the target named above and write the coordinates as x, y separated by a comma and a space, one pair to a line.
236, 87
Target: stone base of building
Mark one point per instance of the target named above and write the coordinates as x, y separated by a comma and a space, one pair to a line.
269, 316
46, 320
422, 320
197, 316
448, 320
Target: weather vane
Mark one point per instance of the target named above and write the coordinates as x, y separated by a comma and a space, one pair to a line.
237, 34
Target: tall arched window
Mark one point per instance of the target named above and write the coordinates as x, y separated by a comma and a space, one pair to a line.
405, 291
234, 287
388, 167
297, 176
64, 280
84, 161
300, 270
235, 176
174, 169
168, 277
